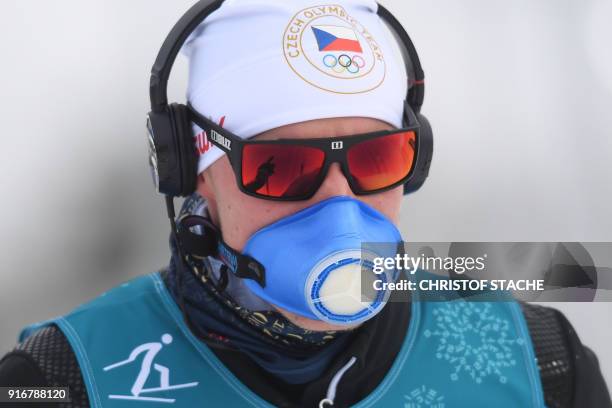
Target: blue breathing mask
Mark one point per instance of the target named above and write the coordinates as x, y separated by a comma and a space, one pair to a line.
314, 262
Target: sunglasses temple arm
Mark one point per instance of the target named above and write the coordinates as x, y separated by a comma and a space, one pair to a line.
215, 134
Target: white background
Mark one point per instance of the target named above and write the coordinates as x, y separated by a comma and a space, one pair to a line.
518, 92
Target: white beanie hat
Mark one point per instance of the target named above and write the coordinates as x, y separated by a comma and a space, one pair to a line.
255, 65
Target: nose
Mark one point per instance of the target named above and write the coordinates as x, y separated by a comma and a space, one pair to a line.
334, 184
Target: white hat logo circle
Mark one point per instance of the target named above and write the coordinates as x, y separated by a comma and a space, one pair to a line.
331, 50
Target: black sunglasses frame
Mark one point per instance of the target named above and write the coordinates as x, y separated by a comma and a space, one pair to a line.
333, 151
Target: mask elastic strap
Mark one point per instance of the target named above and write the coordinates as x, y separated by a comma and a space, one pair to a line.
242, 266
209, 243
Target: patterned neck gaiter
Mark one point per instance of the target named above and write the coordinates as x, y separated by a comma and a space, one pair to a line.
235, 317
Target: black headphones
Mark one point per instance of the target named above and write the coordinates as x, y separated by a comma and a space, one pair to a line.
172, 154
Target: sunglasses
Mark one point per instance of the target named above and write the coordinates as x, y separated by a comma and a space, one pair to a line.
294, 169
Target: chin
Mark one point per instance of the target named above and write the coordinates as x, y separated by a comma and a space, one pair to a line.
314, 325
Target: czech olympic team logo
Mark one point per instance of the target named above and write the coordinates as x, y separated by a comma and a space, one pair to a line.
341, 39
331, 50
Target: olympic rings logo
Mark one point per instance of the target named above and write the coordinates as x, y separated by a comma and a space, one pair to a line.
344, 63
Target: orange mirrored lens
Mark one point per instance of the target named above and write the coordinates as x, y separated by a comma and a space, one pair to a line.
280, 170
383, 161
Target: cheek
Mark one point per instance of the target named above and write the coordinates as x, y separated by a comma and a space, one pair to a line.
388, 203
227, 203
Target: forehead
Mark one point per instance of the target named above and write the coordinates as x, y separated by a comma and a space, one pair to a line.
325, 128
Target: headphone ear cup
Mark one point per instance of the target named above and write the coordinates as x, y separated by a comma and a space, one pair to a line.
424, 156
163, 156
187, 156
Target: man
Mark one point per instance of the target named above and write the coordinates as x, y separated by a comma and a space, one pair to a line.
257, 306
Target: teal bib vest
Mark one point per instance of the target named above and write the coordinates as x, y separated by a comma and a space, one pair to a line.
135, 351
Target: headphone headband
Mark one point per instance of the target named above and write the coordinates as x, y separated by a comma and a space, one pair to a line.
158, 85
416, 89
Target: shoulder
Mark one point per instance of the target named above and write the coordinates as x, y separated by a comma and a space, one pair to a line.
45, 359
569, 371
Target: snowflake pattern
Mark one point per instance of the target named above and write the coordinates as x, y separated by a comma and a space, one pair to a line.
473, 340
423, 397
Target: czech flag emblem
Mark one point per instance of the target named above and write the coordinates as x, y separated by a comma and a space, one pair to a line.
336, 38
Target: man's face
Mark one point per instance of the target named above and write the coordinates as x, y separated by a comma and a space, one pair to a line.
239, 215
